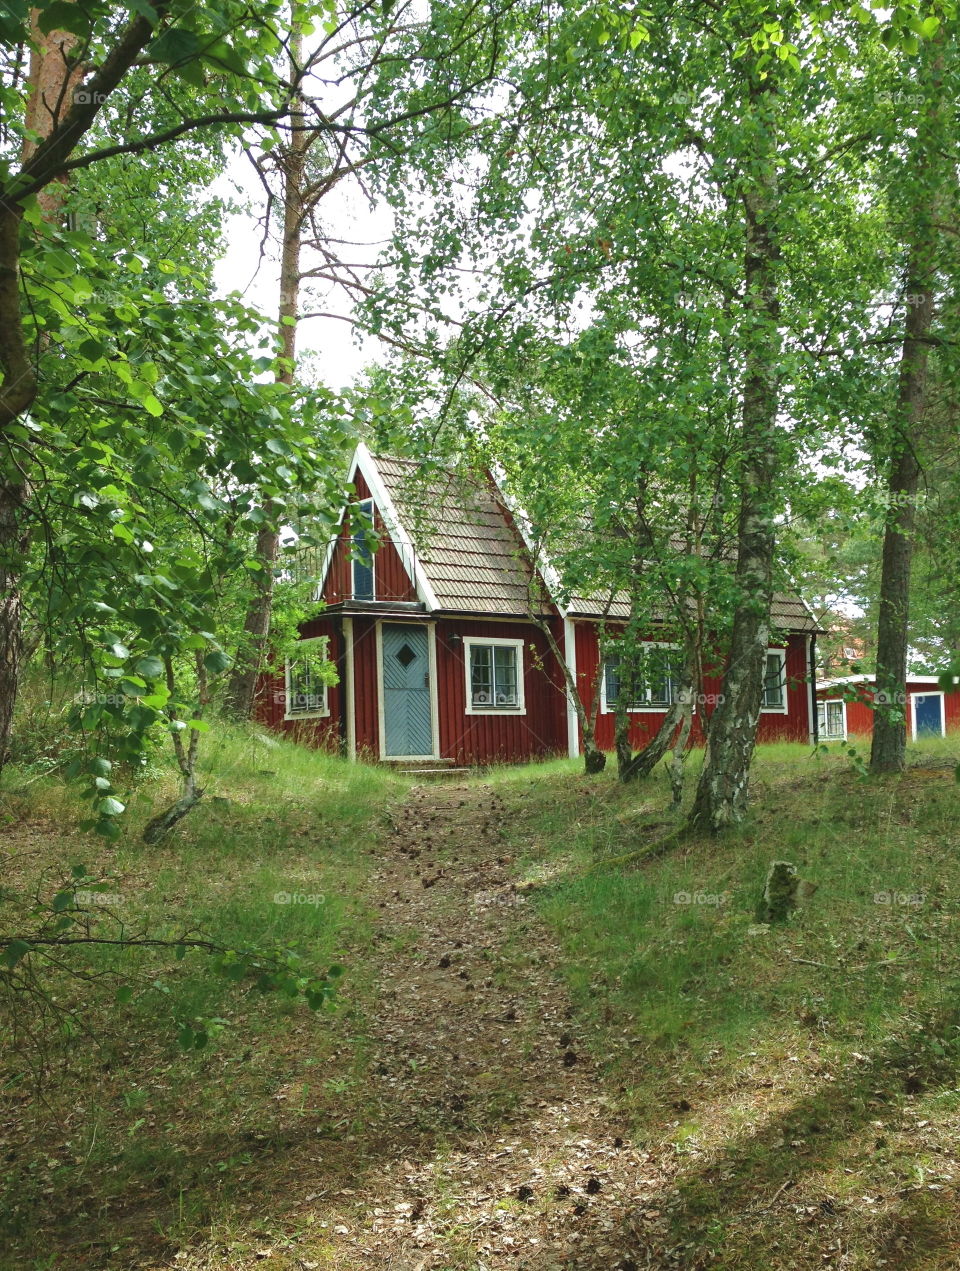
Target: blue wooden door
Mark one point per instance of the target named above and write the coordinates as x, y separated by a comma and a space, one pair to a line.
407, 719
928, 707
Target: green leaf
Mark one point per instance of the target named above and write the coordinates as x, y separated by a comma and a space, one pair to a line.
61, 901
60, 15
14, 951
152, 406
124, 994
110, 806
150, 667
216, 661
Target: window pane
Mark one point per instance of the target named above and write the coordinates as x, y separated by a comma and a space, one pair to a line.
481, 675
611, 671
363, 558
307, 691
773, 685
834, 719
505, 675
661, 676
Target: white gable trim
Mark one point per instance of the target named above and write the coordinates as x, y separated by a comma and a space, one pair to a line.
538, 557
364, 463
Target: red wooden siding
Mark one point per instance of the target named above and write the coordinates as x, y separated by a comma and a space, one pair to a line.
390, 579
489, 738
366, 689
271, 697
795, 725
644, 725
860, 713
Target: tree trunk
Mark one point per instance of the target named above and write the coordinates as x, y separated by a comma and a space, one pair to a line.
721, 795
594, 760
889, 744
14, 544
242, 689
50, 88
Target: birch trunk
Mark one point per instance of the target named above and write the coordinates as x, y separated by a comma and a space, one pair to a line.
722, 790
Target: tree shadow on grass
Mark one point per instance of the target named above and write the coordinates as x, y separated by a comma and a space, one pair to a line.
759, 1202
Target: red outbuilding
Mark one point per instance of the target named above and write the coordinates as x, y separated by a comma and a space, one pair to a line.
845, 707
440, 656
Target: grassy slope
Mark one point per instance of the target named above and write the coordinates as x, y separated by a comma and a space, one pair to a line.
814, 1062
127, 1122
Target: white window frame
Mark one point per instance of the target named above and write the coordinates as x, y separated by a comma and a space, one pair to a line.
468, 644
606, 709
785, 708
913, 712
320, 712
363, 505
831, 701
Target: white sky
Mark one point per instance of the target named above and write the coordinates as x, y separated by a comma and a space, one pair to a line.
328, 348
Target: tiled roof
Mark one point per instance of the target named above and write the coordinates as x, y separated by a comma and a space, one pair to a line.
466, 543
787, 613
474, 557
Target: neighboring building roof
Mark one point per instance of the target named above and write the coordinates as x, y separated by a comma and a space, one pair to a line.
871, 679
464, 546
787, 613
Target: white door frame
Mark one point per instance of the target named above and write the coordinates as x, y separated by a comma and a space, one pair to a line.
348, 694
913, 712
434, 699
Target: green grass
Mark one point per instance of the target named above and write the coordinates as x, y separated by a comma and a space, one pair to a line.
842, 1018
123, 1111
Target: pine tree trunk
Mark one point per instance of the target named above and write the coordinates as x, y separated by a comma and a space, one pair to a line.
722, 790
242, 689
50, 85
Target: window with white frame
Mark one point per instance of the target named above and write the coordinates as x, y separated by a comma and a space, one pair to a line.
656, 680
306, 686
775, 681
494, 675
362, 556
831, 722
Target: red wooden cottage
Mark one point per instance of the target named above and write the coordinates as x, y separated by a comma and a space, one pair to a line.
845, 707
436, 648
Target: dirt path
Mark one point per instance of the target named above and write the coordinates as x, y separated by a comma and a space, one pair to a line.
477, 1059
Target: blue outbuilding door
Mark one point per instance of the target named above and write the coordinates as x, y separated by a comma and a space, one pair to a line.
928, 714
407, 717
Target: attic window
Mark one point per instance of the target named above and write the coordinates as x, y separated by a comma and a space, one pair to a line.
494, 669
362, 560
